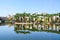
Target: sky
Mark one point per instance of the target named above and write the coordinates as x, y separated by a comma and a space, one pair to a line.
11, 7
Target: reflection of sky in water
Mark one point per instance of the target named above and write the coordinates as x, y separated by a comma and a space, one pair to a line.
8, 33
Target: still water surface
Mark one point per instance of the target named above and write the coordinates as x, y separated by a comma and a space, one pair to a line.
29, 32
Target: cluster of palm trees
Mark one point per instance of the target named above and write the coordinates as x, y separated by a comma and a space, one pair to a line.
34, 17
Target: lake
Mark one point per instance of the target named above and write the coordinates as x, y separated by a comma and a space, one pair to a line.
29, 32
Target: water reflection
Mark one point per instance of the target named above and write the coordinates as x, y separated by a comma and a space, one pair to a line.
28, 28
30, 32
2, 24
9, 24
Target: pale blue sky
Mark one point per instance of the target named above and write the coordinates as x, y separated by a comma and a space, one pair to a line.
13, 6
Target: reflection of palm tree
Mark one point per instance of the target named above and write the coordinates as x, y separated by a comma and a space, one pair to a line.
23, 32
26, 29
21, 29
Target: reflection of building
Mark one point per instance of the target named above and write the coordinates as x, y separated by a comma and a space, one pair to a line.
10, 24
